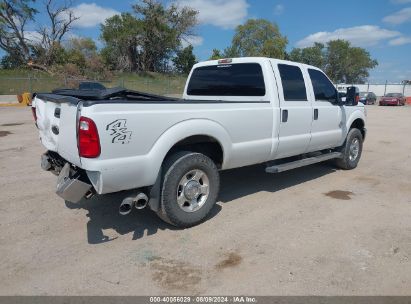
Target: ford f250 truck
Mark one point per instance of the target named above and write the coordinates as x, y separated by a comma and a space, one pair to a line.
166, 153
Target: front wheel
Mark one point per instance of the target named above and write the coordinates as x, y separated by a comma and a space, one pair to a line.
351, 150
190, 185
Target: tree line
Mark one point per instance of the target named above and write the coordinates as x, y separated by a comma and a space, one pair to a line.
150, 38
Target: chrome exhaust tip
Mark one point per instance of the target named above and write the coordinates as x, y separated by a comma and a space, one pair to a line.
141, 201
126, 206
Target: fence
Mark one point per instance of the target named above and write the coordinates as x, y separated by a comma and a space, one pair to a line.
163, 85
159, 84
380, 89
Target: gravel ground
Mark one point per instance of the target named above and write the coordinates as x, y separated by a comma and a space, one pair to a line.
311, 231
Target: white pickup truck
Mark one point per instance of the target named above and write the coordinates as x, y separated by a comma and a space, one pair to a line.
166, 153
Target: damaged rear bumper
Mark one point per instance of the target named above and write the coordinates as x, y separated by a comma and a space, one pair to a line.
72, 183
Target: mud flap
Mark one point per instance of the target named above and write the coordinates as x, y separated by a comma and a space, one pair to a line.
155, 193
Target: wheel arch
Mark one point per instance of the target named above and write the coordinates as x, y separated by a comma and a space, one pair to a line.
359, 124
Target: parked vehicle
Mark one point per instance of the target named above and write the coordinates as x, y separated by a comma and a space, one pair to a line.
393, 99
167, 152
368, 98
90, 85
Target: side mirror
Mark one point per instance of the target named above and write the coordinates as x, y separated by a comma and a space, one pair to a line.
341, 98
353, 96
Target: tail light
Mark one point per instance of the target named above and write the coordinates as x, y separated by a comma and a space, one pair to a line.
88, 139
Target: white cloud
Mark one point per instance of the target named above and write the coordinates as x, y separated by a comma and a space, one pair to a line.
226, 14
279, 9
400, 41
192, 40
399, 17
91, 14
365, 35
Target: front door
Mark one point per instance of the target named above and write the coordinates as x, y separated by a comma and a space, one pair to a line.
295, 110
326, 130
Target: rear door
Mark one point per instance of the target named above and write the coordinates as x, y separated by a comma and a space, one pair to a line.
295, 108
326, 130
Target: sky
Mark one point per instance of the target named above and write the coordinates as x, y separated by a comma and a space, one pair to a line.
383, 27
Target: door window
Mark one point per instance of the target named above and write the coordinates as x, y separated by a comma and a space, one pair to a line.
293, 83
324, 90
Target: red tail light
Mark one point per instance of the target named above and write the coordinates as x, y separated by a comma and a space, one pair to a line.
88, 139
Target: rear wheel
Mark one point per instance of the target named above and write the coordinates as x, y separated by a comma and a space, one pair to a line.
190, 185
351, 150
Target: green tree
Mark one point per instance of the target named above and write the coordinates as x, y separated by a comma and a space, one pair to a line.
14, 18
184, 60
257, 37
347, 64
163, 28
216, 55
122, 35
85, 46
9, 62
341, 61
311, 55
146, 41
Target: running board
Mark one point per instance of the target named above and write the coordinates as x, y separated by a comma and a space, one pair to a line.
302, 162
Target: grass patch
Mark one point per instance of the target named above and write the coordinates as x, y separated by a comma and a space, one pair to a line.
13, 82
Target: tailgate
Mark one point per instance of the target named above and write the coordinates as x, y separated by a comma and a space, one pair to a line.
57, 125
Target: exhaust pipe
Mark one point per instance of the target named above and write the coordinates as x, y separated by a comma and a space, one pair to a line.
141, 201
126, 206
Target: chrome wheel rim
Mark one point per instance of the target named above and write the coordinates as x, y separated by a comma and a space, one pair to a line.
354, 149
193, 190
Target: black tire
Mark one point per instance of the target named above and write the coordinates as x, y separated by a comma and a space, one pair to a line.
346, 162
174, 169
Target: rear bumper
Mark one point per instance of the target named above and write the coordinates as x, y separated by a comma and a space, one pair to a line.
72, 183
388, 103
70, 187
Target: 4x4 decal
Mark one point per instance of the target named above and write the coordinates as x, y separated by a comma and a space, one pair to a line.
119, 131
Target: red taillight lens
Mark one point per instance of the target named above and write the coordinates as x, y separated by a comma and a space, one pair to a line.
88, 139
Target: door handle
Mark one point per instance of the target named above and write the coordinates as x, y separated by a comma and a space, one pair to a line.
315, 114
284, 116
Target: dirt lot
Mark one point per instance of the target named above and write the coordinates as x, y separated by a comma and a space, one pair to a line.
314, 230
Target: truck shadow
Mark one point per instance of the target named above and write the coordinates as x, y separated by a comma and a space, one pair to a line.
103, 214
241, 182
103, 210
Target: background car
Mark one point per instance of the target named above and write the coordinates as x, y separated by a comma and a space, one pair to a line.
393, 99
368, 98
89, 85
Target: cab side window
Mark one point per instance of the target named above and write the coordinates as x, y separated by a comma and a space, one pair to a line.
324, 90
293, 83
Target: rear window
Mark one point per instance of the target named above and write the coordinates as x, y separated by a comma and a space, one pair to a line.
293, 83
242, 79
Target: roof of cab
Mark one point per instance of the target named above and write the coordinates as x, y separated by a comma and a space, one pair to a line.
249, 60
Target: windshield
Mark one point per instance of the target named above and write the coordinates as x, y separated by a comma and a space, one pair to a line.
363, 94
393, 95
